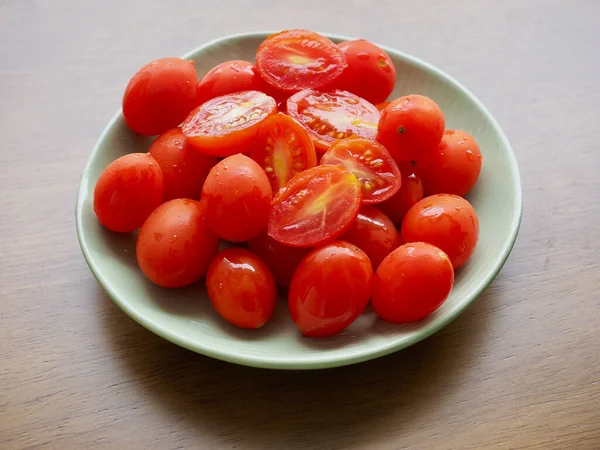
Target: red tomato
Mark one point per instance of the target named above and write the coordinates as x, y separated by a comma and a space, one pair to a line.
333, 115
370, 73
371, 163
446, 221
160, 95
411, 283
228, 124
373, 233
283, 148
174, 247
237, 193
329, 289
293, 60
281, 259
184, 169
411, 191
241, 288
411, 127
381, 106
128, 190
454, 167
317, 205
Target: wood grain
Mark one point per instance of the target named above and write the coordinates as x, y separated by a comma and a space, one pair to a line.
518, 370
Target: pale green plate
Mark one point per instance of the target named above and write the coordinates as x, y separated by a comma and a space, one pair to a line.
186, 317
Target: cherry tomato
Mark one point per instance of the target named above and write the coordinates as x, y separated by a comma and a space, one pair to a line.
128, 190
454, 167
293, 60
174, 247
283, 148
411, 283
370, 73
317, 205
411, 127
160, 95
411, 191
241, 288
371, 163
373, 233
228, 124
329, 289
281, 259
381, 106
238, 194
184, 169
446, 221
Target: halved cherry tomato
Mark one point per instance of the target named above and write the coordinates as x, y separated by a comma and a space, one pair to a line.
293, 60
329, 289
228, 124
329, 116
411, 191
283, 148
381, 106
317, 205
371, 163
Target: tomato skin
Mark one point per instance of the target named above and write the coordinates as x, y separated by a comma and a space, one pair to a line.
174, 247
128, 190
454, 167
281, 259
226, 125
184, 169
411, 127
316, 206
370, 73
237, 193
283, 148
411, 283
329, 289
446, 221
371, 163
160, 95
381, 106
373, 233
411, 191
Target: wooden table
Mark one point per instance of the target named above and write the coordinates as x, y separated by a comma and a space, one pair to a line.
519, 369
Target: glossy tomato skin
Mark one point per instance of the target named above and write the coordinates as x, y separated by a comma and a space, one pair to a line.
238, 194
329, 116
454, 167
283, 148
226, 125
293, 60
373, 233
446, 221
128, 190
184, 169
329, 289
174, 247
281, 259
370, 73
381, 106
372, 165
241, 288
411, 127
411, 191
411, 283
160, 95
316, 206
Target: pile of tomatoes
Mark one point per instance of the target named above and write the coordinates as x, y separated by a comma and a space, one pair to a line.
302, 164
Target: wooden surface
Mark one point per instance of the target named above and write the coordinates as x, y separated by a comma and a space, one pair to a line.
519, 369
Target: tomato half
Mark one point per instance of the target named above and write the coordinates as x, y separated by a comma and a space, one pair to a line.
371, 163
329, 116
329, 289
228, 124
411, 191
283, 148
293, 60
317, 205
411, 283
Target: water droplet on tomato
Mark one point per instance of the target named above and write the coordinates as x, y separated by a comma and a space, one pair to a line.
470, 156
177, 142
158, 236
363, 56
